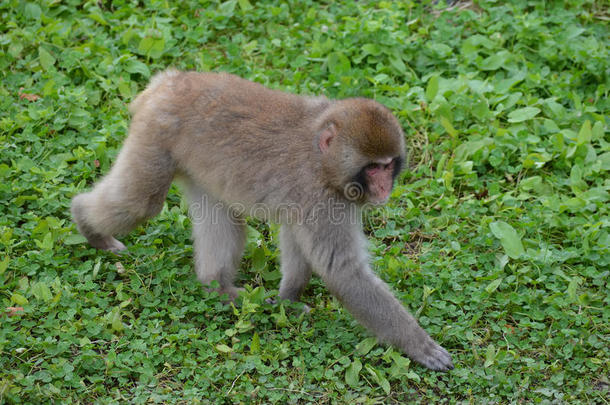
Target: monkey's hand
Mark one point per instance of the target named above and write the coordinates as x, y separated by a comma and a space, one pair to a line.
106, 243
111, 244
424, 350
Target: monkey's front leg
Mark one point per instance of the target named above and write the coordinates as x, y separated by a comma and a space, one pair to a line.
373, 304
342, 262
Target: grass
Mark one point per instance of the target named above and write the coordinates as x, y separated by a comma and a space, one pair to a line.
497, 236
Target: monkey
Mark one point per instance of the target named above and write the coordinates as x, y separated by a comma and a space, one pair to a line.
240, 149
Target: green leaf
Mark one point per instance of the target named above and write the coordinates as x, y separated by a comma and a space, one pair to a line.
523, 114
115, 320
19, 299
281, 319
572, 32
338, 64
49, 88
4, 265
576, 182
585, 133
480, 110
245, 5
557, 109
572, 204
352, 373
432, 88
46, 59
398, 64
379, 377
223, 348
504, 86
572, 288
401, 362
371, 49
449, 127
41, 291
158, 46
490, 355
597, 132
227, 8
495, 62
440, 166
96, 267
604, 159
463, 151
74, 239
448, 180
14, 49
412, 375
365, 346
46, 243
32, 11
259, 259
531, 183
96, 16
146, 45
255, 344
510, 240
135, 66
441, 50
493, 286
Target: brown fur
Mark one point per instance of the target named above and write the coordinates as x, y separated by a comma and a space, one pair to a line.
242, 149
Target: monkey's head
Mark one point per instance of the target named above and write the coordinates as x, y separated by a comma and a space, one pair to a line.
362, 148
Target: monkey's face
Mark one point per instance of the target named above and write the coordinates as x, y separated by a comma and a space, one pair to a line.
379, 178
376, 180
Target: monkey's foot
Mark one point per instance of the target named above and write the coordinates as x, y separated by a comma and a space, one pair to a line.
306, 308
434, 356
231, 292
107, 243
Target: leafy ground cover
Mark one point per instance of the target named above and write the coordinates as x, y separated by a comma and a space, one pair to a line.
497, 237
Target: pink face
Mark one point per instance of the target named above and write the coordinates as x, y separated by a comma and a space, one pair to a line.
380, 179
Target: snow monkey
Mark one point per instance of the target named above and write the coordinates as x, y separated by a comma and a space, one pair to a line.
307, 163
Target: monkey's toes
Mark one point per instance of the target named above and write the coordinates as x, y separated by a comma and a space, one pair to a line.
306, 308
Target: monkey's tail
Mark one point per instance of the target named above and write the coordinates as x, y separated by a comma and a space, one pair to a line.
156, 81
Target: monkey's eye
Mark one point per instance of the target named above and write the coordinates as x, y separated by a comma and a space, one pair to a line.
374, 167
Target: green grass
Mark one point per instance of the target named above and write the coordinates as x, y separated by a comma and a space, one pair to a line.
497, 236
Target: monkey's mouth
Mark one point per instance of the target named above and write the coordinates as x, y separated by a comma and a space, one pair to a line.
378, 200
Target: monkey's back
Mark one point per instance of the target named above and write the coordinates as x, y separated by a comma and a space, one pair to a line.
208, 122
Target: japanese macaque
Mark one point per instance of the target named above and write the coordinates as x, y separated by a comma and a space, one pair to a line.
240, 149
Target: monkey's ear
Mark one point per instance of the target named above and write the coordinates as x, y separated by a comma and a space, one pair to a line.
326, 137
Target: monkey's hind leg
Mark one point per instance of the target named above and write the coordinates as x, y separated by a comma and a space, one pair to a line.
133, 191
218, 240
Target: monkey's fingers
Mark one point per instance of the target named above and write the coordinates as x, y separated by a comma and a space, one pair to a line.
117, 246
435, 357
107, 243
